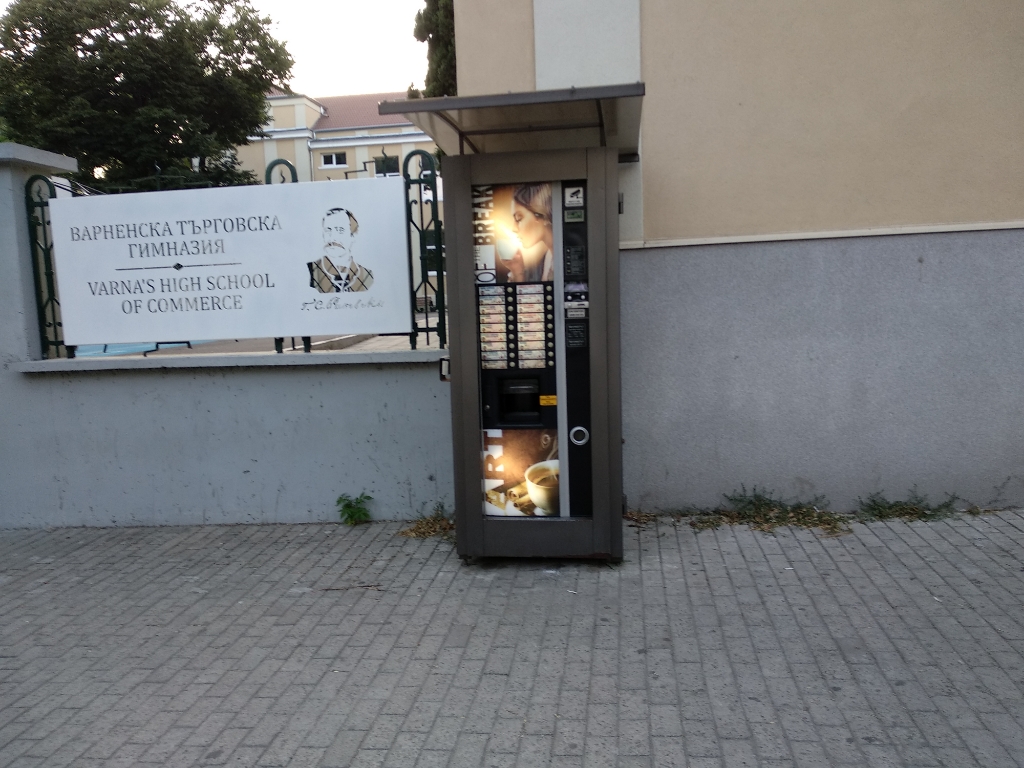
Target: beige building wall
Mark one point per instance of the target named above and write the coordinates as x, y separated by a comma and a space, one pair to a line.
331, 173
365, 143
775, 117
362, 155
780, 117
586, 42
494, 40
357, 154
269, 152
282, 116
310, 115
285, 149
302, 161
250, 158
334, 173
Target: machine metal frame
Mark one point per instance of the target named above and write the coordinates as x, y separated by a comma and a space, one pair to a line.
600, 535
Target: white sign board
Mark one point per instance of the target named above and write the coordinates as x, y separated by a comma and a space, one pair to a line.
310, 259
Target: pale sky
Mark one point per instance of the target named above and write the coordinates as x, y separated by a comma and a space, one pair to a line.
349, 46
343, 47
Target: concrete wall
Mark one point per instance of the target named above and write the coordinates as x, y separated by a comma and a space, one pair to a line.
839, 367
205, 439
225, 445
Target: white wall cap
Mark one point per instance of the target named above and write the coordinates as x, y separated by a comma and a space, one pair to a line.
36, 159
370, 140
244, 360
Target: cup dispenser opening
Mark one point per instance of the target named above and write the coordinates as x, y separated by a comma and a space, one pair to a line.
519, 401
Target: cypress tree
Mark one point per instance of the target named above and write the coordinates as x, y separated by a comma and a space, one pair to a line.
435, 26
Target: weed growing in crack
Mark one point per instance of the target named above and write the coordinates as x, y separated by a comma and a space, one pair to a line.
353, 511
436, 524
915, 507
763, 511
638, 519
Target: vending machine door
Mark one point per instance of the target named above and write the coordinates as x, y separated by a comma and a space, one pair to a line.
532, 340
536, 471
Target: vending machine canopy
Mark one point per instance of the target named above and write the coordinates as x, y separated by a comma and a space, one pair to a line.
573, 118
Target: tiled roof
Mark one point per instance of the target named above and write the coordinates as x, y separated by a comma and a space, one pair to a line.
357, 111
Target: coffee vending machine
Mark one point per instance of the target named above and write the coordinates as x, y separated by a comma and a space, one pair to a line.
533, 271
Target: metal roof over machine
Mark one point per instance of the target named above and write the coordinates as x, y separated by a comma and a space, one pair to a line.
572, 118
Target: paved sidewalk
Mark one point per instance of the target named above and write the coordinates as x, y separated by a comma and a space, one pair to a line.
317, 645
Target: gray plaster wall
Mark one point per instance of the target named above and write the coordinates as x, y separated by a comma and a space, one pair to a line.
838, 367
224, 445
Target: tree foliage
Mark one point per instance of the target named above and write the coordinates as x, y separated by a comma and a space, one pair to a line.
130, 86
435, 26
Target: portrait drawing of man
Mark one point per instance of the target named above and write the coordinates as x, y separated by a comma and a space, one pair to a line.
337, 270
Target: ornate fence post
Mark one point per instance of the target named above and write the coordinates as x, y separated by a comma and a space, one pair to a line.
268, 177
427, 225
39, 190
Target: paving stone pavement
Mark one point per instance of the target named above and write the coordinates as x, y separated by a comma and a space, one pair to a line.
319, 645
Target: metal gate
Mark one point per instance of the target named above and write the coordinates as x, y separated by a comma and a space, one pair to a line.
426, 249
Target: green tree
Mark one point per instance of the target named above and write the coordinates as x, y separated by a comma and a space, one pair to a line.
129, 86
435, 26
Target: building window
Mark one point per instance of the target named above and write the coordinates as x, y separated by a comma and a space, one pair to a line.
385, 166
333, 160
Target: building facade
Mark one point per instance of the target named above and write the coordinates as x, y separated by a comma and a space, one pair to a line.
820, 241
782, 118
333, 138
